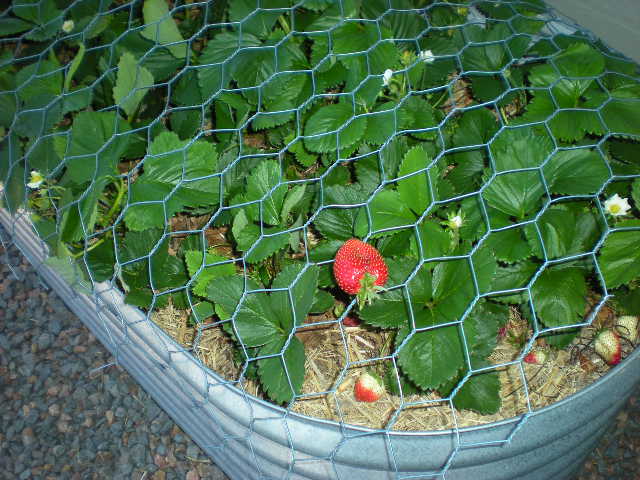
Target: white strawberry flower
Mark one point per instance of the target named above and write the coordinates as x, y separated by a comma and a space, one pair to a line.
386, 77
427, 56
617, 206
36, 180
455, 221
68, 25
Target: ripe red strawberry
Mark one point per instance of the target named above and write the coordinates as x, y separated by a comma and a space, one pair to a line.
536, 357
607, 345
368, 387
360, 270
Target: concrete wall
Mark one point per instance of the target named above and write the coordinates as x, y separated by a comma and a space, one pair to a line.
617, 22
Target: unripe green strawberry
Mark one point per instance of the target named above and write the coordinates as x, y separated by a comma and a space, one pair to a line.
368, 387
360, 270
607, 345
627, 327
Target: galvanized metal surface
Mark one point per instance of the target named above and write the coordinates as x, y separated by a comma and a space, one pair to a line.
251, 439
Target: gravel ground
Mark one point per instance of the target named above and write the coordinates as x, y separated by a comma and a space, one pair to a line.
62, 417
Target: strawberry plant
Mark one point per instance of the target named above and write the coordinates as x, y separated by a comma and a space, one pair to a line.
227, 159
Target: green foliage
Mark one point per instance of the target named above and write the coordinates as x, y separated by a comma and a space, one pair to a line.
482, 169
266, 320
132, 84
161, 28
177, 175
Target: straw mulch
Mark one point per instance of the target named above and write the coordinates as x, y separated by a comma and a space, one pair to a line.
337, 354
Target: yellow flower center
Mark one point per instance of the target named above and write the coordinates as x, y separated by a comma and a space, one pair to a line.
615, 208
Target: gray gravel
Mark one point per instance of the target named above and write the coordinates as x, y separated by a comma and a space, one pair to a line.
64, 417
60, 418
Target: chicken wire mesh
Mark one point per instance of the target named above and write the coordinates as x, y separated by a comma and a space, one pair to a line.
212, 158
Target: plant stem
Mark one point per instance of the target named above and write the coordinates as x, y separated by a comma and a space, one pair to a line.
74, 66
91, 247
116, 203
440, 99
283, 23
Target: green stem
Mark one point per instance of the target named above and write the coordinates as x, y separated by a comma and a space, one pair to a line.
94, 245
283, 23
440, 99
504, 116
116, 203
74, 66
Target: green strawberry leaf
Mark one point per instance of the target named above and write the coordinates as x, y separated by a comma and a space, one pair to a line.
405, 388
93, 149
227, 292
491, 57
101, 261
576, 172
580, 62
380, 124
572, 125
80, 211
176, 176
322, 301
475, 127
520, 147
214, 76
480, 393
302, 294
282, 376
620, 255
208, 273
466, 175
559, 296
563, 232
321, 130
431, 357
261, 181
387, 211
635, 193
132, 83
621, 116
336, 223
516, 193
255, 321
508, 246
200, 312
513, 277
258, 245
628, 301
292, 200
256, 22
415, 113
481, 329
436, 242
161, 28
388, 311
71, 273
145, 262
415, 191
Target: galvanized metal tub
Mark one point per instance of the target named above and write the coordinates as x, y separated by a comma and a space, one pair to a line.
253, 439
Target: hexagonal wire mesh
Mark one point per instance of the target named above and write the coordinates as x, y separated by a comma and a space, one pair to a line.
290, 127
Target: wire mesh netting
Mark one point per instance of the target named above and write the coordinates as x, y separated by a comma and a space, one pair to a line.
206, 160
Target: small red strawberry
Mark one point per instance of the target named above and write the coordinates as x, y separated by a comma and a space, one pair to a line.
627, 327
607, 345
360, 270
368, 387
536, 357
350, 322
